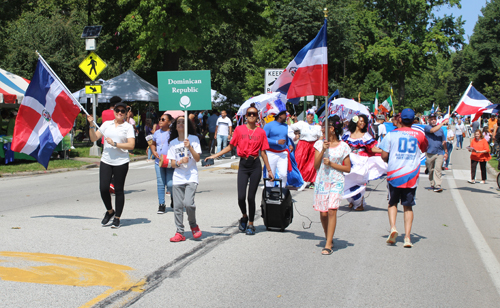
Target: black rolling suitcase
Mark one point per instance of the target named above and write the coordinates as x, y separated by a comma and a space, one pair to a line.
277, 206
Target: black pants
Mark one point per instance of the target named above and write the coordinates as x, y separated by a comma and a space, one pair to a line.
106, 172
473, 167
254, 173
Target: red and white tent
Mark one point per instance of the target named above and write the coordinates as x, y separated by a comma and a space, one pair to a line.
12, 88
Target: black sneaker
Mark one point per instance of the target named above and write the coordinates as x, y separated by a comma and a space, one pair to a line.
161, 209
107, 218
116, 223
243, 224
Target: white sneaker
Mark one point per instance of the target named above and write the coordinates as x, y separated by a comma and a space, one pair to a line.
483, 182
303, 186
233, 157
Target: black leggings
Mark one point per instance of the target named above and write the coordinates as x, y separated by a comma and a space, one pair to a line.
254, 173
473, 167
119, 173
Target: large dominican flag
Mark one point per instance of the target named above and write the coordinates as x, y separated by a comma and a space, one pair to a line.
472, 102
45, 116
307, 74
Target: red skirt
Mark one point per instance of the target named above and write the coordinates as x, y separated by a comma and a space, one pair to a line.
305, 160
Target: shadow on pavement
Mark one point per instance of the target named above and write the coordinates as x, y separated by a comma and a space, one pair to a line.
135, 221
337, 244
133, 191
64, 216
415, 238
476, 190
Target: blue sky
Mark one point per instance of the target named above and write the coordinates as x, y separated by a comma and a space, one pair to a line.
470, 11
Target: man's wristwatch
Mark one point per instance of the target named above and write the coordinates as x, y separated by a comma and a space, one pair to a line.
114, 143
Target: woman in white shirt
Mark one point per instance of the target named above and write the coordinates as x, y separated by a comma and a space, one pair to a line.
309, 133
450, 136
119, 139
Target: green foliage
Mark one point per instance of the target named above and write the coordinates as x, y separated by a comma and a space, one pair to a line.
485, 46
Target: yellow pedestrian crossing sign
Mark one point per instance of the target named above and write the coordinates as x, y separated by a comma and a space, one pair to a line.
93, 89
92, 66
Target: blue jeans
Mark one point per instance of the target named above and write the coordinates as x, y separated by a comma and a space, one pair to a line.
460, 141
220, 140
163, 178
449, 146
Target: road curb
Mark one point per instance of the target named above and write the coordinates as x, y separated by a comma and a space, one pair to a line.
89, 166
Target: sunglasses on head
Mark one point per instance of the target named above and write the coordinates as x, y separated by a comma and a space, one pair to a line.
252, 114
117, 110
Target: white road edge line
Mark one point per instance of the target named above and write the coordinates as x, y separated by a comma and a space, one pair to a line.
487, 256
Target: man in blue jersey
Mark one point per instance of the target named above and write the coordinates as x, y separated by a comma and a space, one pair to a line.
279, 145
401, 149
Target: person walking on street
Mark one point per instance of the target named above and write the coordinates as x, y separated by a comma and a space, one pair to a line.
212, 126
120, 138
223, 131
492, 122
279, 147
109, 115
401, 149
480, 153
159, 147
183, 155
332, 160
450, 136
459, 133
309, 133
436, 152
250, 140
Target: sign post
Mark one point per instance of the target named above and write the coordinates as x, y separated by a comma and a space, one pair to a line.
92, 66
184, 90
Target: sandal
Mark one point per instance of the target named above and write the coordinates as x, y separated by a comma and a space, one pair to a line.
326, 251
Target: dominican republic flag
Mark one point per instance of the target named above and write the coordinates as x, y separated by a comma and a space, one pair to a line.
472, 102
307, 74
45, 116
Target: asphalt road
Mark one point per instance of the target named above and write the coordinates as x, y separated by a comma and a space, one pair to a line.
54, 252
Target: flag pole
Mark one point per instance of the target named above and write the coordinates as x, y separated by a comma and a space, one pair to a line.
327, 110
67, 90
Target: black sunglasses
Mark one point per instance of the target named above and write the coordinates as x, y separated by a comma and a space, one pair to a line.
120, 110
162, 119
252, 114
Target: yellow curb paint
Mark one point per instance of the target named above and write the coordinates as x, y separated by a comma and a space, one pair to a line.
70, 271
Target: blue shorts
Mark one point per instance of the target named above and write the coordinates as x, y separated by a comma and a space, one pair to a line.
405, 195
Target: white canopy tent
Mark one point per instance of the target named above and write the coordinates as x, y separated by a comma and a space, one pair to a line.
129, 86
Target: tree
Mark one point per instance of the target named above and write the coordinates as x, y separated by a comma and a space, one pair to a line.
402, 38
56, 38
163, 31
484, 61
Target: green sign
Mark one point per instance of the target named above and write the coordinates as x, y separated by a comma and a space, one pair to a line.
184, 90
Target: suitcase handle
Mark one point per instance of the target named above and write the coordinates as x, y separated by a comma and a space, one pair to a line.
281, 185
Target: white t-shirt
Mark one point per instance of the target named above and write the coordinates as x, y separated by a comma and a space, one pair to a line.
459, 129
176, 151
450, 134
223, 126
111, 155
308, 132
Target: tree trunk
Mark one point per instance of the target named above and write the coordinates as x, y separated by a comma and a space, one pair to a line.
171, 61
